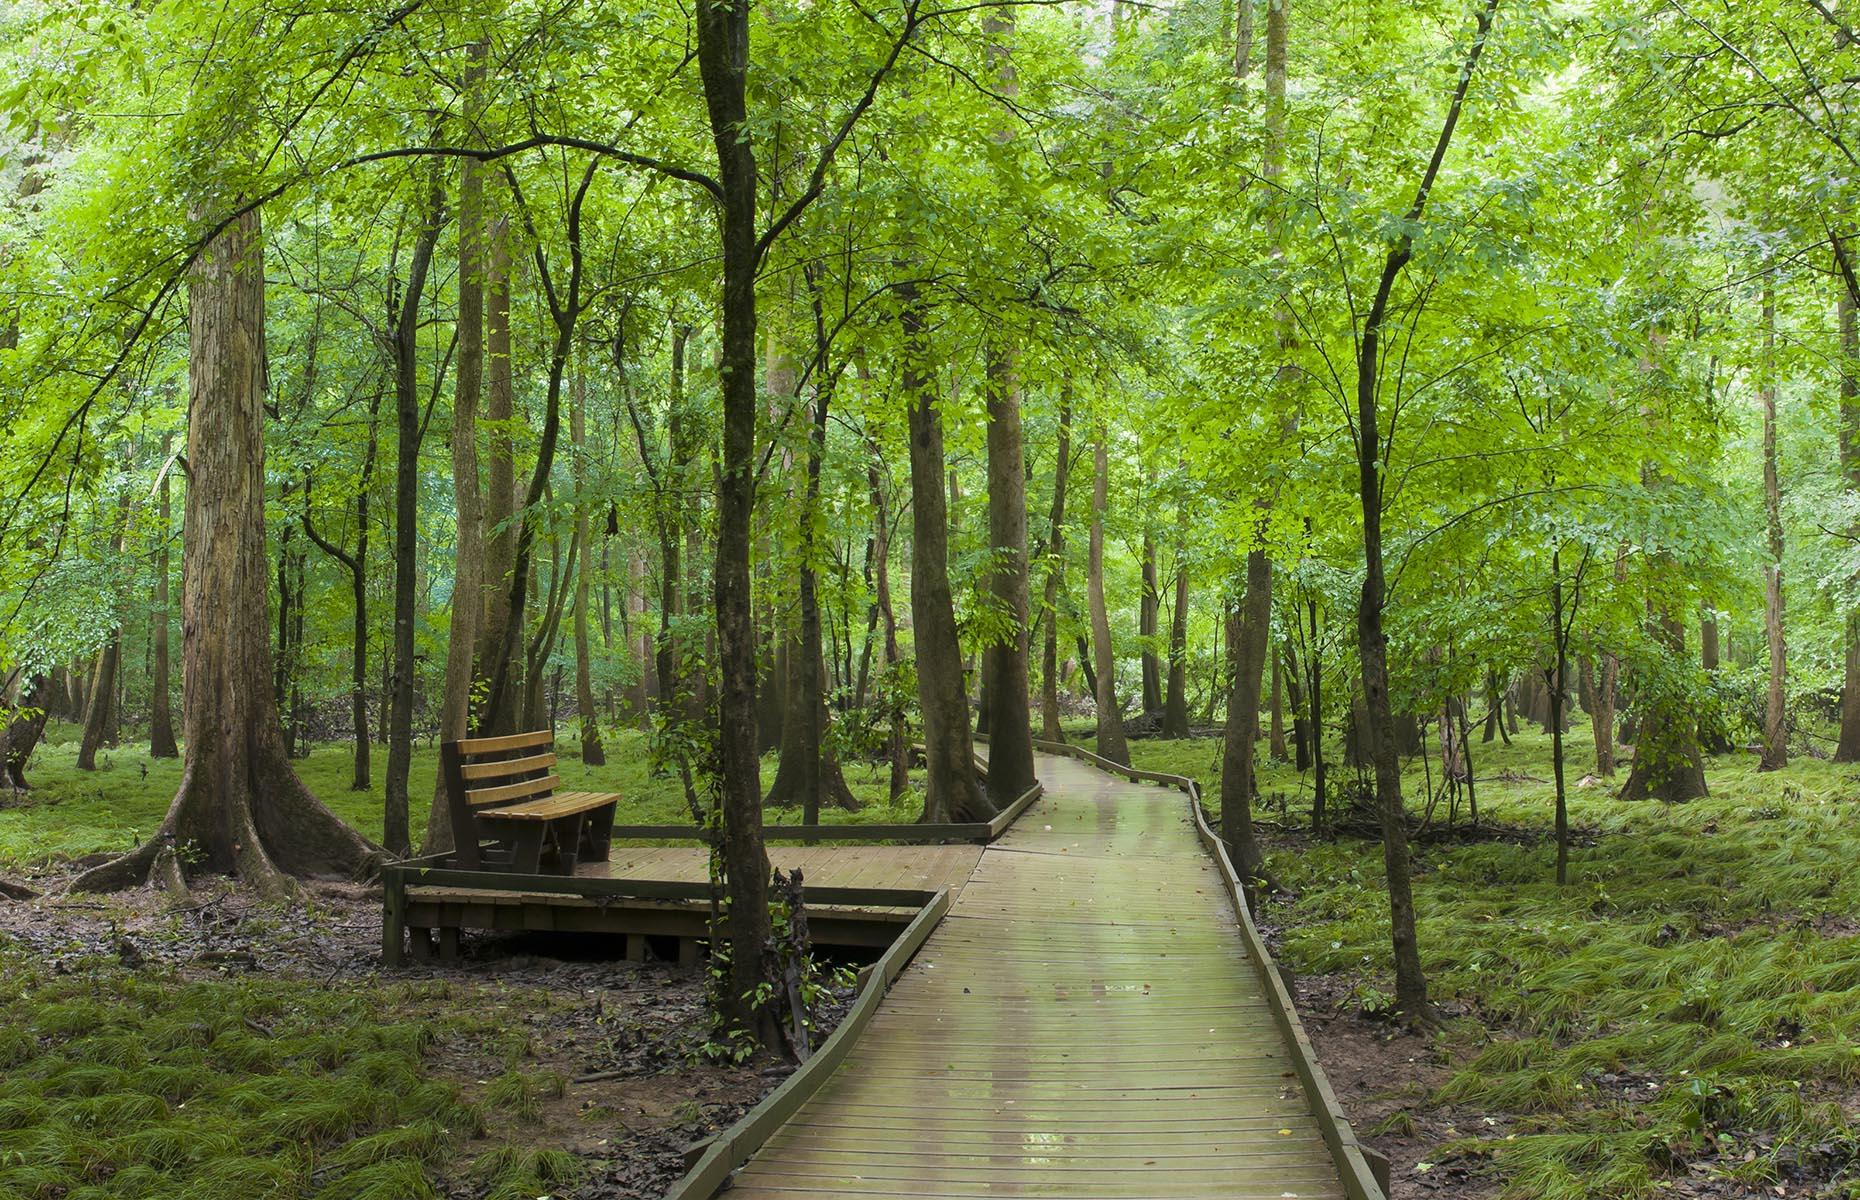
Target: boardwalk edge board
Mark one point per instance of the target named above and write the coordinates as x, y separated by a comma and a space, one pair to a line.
735, 1145
1351, 1157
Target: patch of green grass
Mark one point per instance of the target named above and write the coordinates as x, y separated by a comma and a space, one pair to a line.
144, 1084
70, 813
1693, 993
523, 1173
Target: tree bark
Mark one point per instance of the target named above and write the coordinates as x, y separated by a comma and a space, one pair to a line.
1010, 724
161, 705
723, 63
404, 332
1111, 743
1149, 608
1775, 713
951, 792
26, 708
468, 579
1372, 642
808, 769
1175, 700
897, 751
500, 499
1249, 635
357, 566
1055, 556
1847, 749
240, 806
593, 754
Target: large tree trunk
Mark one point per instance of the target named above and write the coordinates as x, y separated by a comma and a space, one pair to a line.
951, 792
593, 754
468, 582
1010, 724
409, 428
24, 710
1775, 716
1847, 749
1111, 743
500, 499
100, 717
723, 62
1248, 637
1055, 556
161, 705
240, 807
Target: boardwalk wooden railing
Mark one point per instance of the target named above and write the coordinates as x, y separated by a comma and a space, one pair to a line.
1360, 1180
734, 1146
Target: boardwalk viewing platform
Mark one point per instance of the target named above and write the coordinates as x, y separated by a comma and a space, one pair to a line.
1089, 1019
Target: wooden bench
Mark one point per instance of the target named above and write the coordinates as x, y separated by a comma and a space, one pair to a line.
502, 790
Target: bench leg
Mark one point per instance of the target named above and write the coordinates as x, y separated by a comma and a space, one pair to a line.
598, 834
636, 947
421, 943
526, 858
449, 942
568, 843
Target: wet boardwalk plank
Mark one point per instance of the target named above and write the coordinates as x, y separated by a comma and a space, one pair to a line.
1084, 1023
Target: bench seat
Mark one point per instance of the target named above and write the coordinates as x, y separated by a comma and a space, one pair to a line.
507, 814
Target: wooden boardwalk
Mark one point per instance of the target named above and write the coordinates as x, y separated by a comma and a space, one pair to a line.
1084, 1022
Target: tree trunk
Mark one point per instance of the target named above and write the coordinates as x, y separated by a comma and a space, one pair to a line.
1111, 742
100, 716
500, 499
951, 792
161, 705
1668, 764
1847, 749
1055, 556
593, 754
1010, 748
723, 62
1314, 666
240, 806
1148, 627
1556, 678
1775, 714
808, 768
1372, 642
405, 334
1175, 700
897, 751
1294, 695
357, 566
468, 566
20, 730
1275, 741
1249, 636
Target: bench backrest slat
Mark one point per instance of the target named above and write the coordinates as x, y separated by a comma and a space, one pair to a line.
498, 745
506, 768
521, 790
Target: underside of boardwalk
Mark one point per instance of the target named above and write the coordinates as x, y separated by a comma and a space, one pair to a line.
1084, 1022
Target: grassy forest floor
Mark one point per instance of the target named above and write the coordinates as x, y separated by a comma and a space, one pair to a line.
1683, 1018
